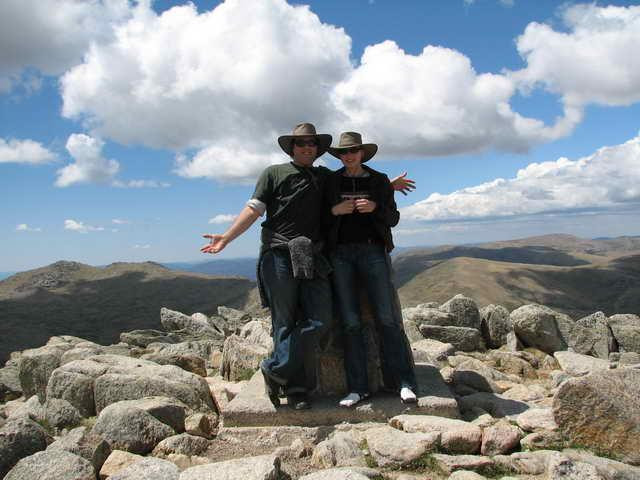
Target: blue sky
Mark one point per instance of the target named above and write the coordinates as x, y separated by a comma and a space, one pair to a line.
128, 129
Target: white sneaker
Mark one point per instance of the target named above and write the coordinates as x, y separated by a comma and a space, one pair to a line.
351, 399
407, 395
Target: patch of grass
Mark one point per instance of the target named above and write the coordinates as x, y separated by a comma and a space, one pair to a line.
424, 463
368, 458
244, 374
46, 425
88, 422
495, 471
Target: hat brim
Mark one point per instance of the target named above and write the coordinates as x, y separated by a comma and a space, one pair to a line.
286, 142
370, 149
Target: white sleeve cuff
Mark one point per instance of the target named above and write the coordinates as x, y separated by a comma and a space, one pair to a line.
257, 205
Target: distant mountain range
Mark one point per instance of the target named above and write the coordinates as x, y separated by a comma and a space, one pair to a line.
570, 274
97, 303
573, 275
242, 267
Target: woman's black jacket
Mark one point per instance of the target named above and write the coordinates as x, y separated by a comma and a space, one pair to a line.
384, 217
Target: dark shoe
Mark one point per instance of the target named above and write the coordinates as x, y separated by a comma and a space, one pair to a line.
271, 387
299, 402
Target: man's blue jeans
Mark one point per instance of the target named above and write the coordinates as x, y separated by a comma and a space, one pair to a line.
359, 265
301, 311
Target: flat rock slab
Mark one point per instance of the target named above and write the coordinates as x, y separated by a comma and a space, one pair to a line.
251, 407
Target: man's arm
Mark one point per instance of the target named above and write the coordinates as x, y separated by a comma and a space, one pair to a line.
244, 220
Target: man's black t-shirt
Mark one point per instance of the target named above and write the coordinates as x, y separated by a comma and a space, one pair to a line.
293, 196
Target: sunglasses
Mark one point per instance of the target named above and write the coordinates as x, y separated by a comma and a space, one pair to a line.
350, 150
305, 143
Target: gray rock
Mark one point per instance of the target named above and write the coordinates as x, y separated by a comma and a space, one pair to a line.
609, 469
431, 351
199, 347
184, 444
524, 463
456, 436
201, 424
541, 327
340, 450
123, 378
73, 387
576, 365
410, 327
81, 441
462, 338
61, 414
464, 310
169, 411
500, 439
429, 316
513, 343
626, 330
344, 473
495, 325
389, 446
466, 475
10, 388
20, 437
35, 368
264, 467
240, 358
451, 463
148, 469
536, 419
117, 461
233, 320
188, 362
543, 440
257, 332
142, 338
129, 428
602, 411
513, 363
52, 465
562, 468
593, 336
173, 321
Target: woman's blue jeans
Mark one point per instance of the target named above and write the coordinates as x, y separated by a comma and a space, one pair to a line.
358, 265
301, 311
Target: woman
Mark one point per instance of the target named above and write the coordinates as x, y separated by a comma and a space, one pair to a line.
362, 213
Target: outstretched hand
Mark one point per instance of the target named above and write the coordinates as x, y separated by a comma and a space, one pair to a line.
403, 184
218, 242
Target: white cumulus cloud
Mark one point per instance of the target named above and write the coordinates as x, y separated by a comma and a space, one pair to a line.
183, 79
23, 227
80, 227
51, 36
606, 180
219, 86
223, 218
590, 62
89, 165
142, 246
120, 221
24, 151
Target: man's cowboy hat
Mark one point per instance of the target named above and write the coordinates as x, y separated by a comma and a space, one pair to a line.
305, 130
353, 139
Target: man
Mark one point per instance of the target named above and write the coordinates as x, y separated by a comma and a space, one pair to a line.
292, 272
